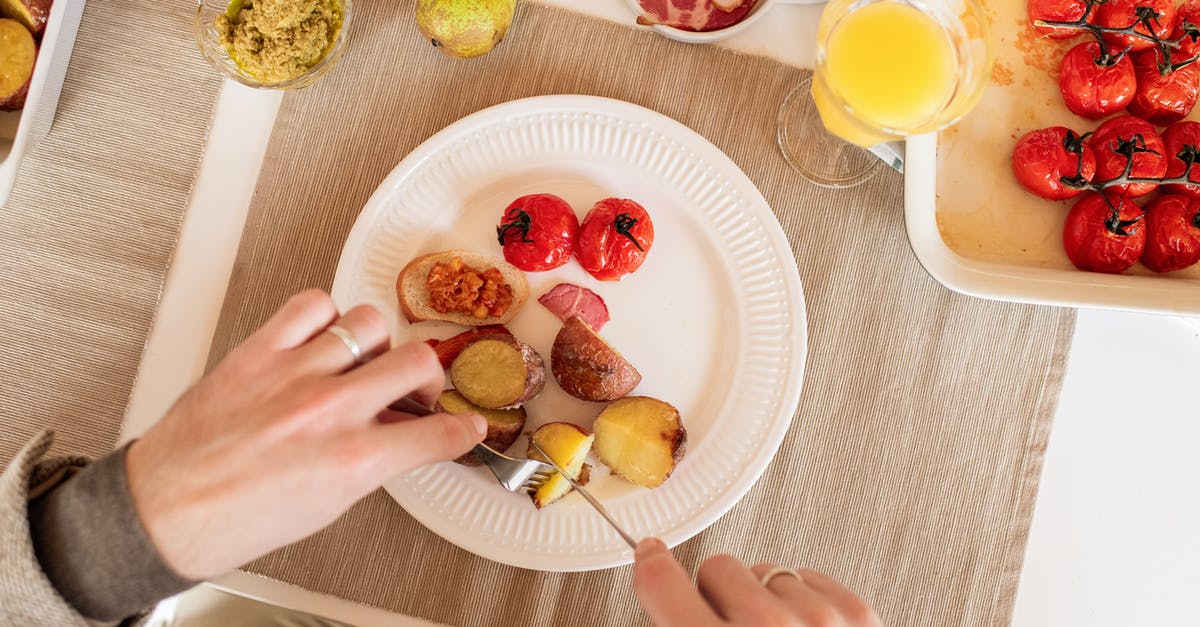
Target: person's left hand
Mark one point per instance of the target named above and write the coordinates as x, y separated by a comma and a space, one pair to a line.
284, 435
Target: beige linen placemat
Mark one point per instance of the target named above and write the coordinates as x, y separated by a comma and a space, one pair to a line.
911, 467
86, 238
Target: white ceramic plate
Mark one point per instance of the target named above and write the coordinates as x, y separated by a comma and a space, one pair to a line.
714, 319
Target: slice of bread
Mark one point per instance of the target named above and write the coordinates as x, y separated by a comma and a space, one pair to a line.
414, 296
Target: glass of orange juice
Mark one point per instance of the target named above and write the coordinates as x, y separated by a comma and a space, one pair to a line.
885, 69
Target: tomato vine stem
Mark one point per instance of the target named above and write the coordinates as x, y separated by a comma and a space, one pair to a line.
1145, 15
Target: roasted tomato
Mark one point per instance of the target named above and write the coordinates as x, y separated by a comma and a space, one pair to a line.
1182, 141
1119, 137
1189, 39
1163, 99
1100, 240
615, 237
1057, 11
538, 232
1095, 87
1159, 14
1045, 157
1172, 233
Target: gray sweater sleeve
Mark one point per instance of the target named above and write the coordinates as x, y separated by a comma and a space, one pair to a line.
73, 547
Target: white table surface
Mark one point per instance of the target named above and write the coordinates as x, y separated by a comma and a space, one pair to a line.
1113, 540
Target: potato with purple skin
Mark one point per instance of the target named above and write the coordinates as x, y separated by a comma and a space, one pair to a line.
18, 53
32, 14
503, 425
498, 372
589, 368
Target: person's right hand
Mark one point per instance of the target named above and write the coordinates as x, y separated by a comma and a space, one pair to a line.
729, 593
284, 435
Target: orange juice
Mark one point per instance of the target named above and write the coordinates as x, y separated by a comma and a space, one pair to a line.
886, 66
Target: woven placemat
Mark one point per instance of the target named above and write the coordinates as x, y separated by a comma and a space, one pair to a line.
91, 225
911, 468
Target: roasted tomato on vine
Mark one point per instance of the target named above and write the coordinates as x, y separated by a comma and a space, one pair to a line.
1172, 233
1119, 138
1047, 160
1167, 93
1158, 14
1057, 11
1182, 142
1187, 28
1099, 239
614, 239
538, 232
1094, 85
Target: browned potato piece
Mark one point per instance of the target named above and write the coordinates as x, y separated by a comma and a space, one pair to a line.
503, 425
498, 372
568, 445
587, 367
641, 439
32, 14
18, 53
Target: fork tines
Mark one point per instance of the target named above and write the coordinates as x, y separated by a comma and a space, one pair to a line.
535, 481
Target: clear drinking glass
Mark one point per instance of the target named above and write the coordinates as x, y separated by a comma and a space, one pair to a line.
885, 69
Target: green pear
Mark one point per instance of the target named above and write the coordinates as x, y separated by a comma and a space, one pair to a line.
464, 28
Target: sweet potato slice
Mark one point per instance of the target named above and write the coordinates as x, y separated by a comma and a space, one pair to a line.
498, 371
641, 439
32, 14
18, 53
568, 445
449, 348
503, 425
587, 367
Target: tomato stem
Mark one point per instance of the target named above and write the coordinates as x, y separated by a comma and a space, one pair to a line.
1145, 15
623, 223
521, 222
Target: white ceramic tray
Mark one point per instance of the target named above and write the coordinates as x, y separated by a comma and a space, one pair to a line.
978, 232
714, 320
21, 130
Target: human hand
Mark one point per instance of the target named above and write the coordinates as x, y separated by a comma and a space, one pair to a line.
728, 593
284, 435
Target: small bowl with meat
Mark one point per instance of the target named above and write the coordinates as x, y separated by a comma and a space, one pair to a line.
699, 21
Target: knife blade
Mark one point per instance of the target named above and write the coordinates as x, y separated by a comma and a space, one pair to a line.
587, 496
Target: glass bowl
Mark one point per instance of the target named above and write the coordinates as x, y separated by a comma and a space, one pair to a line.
216, 55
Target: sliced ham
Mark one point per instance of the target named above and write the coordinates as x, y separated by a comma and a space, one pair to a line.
695, 15
568, 301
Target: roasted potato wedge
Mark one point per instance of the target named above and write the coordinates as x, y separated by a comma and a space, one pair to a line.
498, 372
587, 367
503, 425
641, 439
568, 445
18, 53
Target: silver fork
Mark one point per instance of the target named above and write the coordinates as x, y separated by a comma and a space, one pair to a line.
516, 475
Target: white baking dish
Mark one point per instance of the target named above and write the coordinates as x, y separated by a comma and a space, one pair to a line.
21, 130
1059, 284
978, 232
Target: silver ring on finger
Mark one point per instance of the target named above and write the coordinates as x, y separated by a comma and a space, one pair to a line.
347, 338
775, 572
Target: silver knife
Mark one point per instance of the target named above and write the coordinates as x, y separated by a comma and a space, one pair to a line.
587, 496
